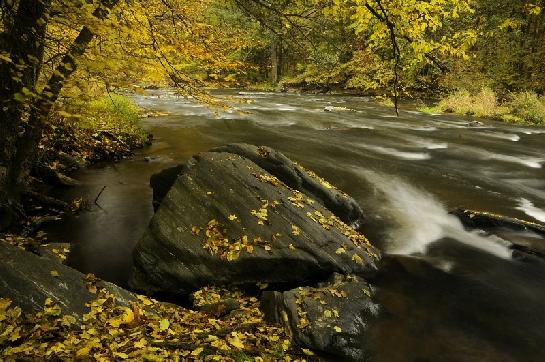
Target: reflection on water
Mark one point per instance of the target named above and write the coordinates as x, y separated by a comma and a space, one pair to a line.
456, 295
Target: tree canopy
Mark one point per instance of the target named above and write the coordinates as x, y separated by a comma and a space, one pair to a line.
55, 50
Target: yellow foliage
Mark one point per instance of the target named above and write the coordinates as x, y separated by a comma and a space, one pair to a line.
147, 330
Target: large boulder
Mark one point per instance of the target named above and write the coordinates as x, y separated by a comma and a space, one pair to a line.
226, 220
290, 173
300, 178
332, 318
28, 280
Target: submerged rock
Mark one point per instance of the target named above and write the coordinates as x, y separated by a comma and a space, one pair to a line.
475, 124
226, 220
337, 109
526, 237
28, 280
332, 318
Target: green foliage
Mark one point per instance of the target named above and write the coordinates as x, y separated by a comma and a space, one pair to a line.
521, 107
101, 128
481, 104
112, 112
526, 107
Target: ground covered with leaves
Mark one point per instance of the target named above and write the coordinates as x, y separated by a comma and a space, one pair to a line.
105, 128
144, 330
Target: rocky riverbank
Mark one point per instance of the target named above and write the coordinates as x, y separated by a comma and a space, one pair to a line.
268, 259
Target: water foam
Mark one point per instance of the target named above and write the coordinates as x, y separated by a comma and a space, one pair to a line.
421, 220
413, 156
529, 209
504, 136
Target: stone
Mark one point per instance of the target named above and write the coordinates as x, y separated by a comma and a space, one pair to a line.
28, 280
301, 179
227, 221
331, 318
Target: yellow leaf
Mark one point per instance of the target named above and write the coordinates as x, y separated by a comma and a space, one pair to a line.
83, 352
357, 259
121, 355
144, 300
164, 324
235, 341
233, 217
337, 329
128, 317
308, 352
141, 343
340, 251
54, 273
196, 352
4, 303
115, 322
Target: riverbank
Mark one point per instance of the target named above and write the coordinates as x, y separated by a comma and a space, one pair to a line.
59, 313
527, 108
79, 133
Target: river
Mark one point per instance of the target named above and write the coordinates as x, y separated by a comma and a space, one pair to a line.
447, 293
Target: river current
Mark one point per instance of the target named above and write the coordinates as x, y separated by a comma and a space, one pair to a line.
447, 293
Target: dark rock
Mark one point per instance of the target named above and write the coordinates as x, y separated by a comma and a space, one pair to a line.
482, 219
161, 183
70, 162
54, 251
331, 318
475, 124
28, 280
53, 177
225, 220
506, 227
299, 178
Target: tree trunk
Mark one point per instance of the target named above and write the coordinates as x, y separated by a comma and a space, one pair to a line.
24, 42
21, 123
276, 59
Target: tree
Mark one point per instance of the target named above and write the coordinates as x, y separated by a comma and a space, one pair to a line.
25, 108
47, 46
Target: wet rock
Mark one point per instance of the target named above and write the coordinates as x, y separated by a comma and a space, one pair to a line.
475, 124
299, 178
57, 252
28, 279
332, 318
504, 227
162, 181
482, 219
225, 220
337, 109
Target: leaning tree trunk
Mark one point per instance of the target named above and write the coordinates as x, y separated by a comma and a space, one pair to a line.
20, 147
23, 42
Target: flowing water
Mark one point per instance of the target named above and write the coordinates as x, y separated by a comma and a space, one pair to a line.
447, 293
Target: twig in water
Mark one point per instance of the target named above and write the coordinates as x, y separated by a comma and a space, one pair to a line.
98, 196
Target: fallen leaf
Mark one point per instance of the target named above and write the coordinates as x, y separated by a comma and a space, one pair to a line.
164, 324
